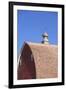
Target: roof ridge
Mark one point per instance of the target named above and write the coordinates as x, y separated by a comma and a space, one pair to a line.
40, 44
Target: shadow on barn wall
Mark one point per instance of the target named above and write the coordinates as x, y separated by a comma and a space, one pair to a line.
26, 70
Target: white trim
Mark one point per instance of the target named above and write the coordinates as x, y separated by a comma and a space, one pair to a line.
20, 55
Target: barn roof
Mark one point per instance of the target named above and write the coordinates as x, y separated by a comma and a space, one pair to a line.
45, 58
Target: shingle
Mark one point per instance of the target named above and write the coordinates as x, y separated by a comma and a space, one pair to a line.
46, 59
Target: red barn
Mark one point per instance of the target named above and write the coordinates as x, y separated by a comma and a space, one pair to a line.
38, 61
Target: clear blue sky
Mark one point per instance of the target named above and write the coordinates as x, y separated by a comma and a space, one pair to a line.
32, 24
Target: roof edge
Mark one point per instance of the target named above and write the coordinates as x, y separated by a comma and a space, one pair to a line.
40, 44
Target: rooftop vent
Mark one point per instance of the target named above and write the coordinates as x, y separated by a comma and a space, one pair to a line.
45, 38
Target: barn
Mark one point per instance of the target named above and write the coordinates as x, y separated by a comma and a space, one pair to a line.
38, 60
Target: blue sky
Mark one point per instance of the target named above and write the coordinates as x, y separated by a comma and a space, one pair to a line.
32, 24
